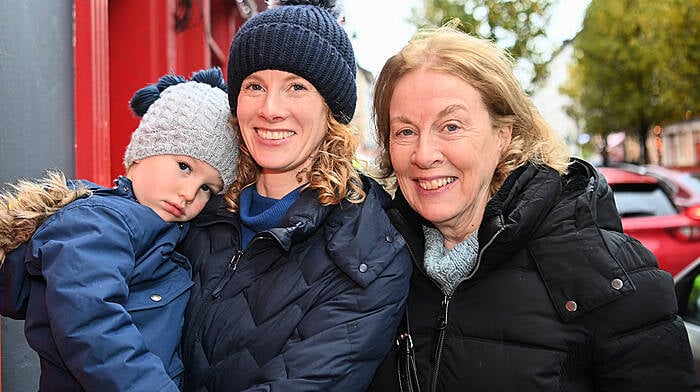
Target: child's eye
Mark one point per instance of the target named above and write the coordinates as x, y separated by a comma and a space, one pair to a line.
206, 188
298, 87
184, 167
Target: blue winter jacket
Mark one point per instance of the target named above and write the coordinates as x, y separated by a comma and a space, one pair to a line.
107, 296
310, 305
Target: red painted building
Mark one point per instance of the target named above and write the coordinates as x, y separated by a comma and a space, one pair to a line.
122, 45
119, 47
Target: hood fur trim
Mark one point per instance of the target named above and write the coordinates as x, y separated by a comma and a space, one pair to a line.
28, 204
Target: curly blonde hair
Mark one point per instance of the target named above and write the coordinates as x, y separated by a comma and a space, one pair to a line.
489, 70
28, 204
331, 172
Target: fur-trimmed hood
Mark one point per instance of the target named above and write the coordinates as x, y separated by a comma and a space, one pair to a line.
27, 204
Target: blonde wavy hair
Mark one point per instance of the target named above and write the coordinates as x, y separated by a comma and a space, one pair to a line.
331, 172
488, 69
27, 204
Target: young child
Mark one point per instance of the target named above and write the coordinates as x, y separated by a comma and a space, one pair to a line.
107, 291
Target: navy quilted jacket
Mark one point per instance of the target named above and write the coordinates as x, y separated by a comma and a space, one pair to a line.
309, 305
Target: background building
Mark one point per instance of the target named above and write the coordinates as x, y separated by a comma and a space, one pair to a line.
69, 68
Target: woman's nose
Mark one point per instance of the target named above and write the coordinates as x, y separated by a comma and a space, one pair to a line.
272, 107
428, 151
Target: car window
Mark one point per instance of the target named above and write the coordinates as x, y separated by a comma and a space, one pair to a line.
691, 181
642, 200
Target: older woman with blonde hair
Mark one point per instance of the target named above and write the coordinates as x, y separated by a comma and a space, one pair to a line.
523, 280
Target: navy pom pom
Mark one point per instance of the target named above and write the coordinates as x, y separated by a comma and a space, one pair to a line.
143, 99
169, 80
212, 76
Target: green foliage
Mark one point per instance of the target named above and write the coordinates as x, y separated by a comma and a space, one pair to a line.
636, 65
515, 25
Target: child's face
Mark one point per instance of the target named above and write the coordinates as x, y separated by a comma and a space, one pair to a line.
176, 187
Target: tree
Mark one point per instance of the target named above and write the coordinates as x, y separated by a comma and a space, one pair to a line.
515, 25
635, 65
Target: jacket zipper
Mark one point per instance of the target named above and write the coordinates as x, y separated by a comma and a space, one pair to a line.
442, 319
442, 326
230, 270
232, 265
199, 317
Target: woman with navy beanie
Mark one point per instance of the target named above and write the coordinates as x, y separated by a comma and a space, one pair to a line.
299, 277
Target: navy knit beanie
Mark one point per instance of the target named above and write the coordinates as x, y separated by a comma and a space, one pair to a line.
305, 40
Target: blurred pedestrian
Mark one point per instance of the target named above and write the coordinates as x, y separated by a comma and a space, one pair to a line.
523, 279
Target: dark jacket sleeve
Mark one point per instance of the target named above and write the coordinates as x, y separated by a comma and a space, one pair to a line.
642, 345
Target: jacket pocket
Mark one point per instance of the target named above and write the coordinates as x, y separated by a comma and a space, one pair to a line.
157, 296
163, 291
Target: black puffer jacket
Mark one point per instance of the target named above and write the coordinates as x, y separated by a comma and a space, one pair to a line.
560, 300
311, 305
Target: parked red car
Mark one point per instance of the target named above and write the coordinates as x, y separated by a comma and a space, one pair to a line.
686, 190
684, 186
648, 214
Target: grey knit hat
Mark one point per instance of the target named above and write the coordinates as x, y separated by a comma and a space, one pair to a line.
181, 117
305, 40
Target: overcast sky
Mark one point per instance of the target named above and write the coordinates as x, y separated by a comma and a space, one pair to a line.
378, 34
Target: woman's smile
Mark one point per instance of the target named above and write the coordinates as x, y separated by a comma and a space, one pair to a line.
436, 183
274, 134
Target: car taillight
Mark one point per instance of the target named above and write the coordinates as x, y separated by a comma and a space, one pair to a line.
693, 212
687, 233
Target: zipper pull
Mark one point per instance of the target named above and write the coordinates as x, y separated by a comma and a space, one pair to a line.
232, 264
234, 260
442, 319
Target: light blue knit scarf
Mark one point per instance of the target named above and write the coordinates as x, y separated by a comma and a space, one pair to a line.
449, 267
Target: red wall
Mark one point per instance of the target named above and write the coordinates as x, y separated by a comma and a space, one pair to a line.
123, 45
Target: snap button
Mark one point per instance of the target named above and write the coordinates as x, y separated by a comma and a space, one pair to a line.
389, 238
571, 306
616, 283
156, 297
363, 267
126, 189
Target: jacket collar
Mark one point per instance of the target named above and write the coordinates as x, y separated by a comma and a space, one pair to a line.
349, 230
556, 220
